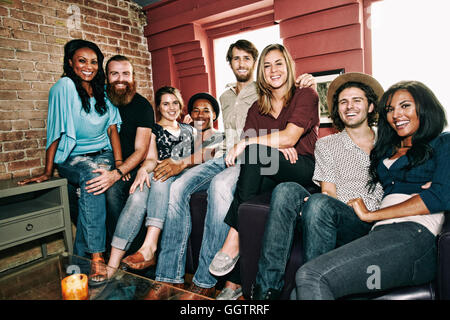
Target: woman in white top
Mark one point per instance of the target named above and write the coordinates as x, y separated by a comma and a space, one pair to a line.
410, 160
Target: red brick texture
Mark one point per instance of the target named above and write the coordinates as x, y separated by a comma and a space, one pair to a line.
32, 38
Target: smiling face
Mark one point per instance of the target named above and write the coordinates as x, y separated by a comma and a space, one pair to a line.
169, 107
121, 87
275, 69
353, 107
203, 114
401, 114
242, 64
120, 75
85, 64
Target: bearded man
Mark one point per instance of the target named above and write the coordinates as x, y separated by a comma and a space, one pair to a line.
137, 122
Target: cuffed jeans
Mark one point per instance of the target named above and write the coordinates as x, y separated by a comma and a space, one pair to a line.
91, 230
153, 201
285, 207
220, 182
116, 198
392, 255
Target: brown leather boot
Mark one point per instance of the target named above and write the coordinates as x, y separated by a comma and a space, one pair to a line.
195, 291
162, 290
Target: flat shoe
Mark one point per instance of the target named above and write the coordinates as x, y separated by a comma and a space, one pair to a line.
222, 264
136, 261
99, 273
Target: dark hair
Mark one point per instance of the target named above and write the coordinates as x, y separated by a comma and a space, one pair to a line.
371, 96
118, 57
432, 122
245, 45
98, 83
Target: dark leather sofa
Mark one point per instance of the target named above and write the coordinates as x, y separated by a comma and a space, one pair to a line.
252, 218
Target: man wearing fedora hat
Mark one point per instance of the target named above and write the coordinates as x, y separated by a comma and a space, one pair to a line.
341, 170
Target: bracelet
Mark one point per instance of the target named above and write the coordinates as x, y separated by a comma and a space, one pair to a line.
118, 160
120, 172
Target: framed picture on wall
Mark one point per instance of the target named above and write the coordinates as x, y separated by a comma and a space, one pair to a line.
324, 79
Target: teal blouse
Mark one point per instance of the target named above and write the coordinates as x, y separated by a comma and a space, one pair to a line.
79, 132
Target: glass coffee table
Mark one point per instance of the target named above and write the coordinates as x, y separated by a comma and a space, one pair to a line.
42, 281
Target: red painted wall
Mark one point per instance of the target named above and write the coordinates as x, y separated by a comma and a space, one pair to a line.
320, 35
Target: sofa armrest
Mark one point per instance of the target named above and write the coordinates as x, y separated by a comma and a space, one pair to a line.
443, 274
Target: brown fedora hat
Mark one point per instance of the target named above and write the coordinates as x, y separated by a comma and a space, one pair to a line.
352, 77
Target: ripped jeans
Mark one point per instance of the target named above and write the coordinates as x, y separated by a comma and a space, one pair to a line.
91, 230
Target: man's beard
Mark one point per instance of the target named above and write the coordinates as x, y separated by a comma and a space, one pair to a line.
121, 97
244, 78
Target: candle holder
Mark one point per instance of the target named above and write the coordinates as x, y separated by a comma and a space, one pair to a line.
75, 287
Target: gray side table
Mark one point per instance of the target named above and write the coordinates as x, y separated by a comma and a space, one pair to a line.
34, 211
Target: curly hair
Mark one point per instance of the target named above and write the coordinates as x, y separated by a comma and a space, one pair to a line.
98, 83
372, 98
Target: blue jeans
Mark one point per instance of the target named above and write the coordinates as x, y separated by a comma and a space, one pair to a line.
285, 207
393, 255
220, 182
328, 223
154, 201
116, 198
91, 230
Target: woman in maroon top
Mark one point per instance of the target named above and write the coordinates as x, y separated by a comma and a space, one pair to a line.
278, 143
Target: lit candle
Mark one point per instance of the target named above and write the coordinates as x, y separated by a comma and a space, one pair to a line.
75, 287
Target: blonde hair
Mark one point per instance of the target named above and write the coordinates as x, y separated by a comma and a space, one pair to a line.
264, 89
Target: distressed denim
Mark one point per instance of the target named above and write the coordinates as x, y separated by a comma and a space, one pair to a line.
116, 198
91, 230
392, 255
220, 182
285, 207
154, 201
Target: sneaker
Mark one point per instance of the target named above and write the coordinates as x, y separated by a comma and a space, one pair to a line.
222, 264
229, 294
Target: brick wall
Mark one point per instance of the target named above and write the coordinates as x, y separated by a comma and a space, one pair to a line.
32, 37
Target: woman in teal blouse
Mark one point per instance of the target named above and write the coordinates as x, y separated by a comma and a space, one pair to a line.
82, 135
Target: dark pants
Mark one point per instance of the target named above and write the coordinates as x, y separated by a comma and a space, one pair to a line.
260, 163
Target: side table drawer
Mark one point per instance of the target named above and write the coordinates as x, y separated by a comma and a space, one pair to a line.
29, 226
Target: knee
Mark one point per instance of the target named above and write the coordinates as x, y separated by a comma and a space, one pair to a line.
314, 209
288, 198
138, 197
307, 277
223, 188
289, 191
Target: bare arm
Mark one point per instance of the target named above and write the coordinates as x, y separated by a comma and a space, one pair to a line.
285, 138
328, 188
49, 165
412, 207
113, 134
147, 166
